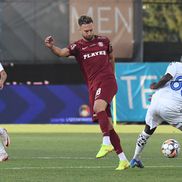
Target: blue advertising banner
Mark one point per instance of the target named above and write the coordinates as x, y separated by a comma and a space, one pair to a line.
22, 104
56, 104
134, 79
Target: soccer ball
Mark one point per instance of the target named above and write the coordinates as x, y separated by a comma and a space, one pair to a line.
170, 148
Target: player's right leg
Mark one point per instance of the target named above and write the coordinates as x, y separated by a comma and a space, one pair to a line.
99, 108
4, 137
152, 121
115, 141
140, 144
3, 153
5, 143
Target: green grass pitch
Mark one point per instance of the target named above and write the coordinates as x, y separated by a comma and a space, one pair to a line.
66, 153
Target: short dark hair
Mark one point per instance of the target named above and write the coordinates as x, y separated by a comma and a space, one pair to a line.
84, 20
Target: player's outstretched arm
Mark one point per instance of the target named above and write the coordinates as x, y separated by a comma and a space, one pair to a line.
3, 77
161, 82
49, 42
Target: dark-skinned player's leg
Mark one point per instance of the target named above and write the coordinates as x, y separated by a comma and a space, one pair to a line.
152, 120
140, 144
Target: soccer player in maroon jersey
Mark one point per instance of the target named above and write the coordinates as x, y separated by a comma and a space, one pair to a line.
96, 60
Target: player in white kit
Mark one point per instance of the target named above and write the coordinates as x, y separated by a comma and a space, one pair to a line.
5, 140
166, 105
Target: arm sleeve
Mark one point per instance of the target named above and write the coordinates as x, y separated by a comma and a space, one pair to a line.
1, 67
73, 49
171, 69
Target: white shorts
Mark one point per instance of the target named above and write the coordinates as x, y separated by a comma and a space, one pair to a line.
163, 110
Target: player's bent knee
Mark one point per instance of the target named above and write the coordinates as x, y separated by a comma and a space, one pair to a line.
98, 109
148, 130
99, 106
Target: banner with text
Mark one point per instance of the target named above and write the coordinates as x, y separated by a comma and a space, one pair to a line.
69, 103
25, 24
134, 79
113, 19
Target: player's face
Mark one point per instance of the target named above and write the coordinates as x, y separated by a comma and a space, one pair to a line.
87, 31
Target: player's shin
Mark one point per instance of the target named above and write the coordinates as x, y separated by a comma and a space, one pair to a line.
140, 144
123, 162
115, 142
103, 122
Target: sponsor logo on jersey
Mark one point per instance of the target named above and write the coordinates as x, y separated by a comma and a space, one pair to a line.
83, 48
98, 53
100, 44
72, 46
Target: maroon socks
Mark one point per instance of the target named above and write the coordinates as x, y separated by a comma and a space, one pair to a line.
115, 141
104, 125
103, 122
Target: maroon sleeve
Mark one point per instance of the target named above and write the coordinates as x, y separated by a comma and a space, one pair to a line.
73, 49
110, 49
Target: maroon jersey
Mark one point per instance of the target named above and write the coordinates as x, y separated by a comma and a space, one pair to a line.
93, 57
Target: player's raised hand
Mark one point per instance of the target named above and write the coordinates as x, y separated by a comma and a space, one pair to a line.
49, 42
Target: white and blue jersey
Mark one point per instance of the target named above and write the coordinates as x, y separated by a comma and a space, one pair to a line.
166, 104
172, 90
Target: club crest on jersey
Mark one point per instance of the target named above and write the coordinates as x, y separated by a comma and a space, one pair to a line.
93, 54
100, 44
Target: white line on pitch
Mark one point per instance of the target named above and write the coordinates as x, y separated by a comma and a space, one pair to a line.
72, 158
58, 167
57, 157
79, 167
163, 166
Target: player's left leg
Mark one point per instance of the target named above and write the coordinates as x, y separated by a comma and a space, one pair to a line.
176, 121
115, 141
178, 126
173, 116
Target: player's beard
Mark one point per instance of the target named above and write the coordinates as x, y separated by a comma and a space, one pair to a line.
89, 38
